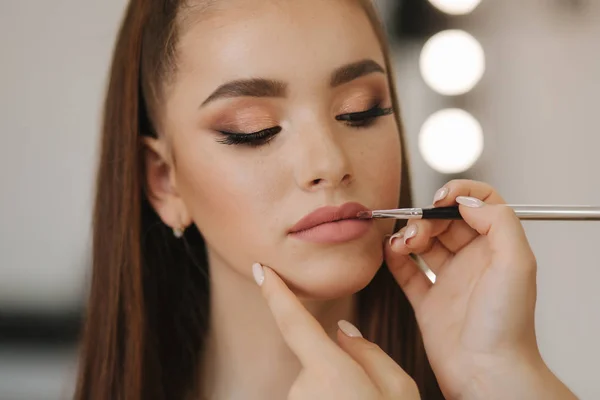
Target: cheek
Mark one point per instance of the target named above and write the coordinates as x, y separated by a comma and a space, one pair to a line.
380, 168
230, 199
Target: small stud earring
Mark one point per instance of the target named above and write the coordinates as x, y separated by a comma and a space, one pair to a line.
178, 232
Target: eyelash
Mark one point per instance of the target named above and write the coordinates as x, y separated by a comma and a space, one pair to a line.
363, 119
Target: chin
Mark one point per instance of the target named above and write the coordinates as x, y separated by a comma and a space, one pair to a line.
335, 272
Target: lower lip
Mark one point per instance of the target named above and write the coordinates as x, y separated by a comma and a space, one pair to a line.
335, 232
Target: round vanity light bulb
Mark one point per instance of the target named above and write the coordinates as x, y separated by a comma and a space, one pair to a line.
451, 141
455, 7
452, 62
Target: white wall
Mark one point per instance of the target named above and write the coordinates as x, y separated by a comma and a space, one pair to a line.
54, 58
539, 106
53, 64
539, 103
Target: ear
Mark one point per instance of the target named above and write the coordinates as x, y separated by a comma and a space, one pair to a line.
161, 186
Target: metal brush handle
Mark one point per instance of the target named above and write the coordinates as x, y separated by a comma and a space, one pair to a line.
524, 212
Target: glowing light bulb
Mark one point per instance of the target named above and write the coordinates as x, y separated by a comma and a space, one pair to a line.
452, 62
451, 141
455, 7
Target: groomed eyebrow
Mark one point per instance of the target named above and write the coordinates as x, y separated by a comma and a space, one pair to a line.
259, 87
353, 71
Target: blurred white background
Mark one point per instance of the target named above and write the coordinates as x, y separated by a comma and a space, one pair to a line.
537, 103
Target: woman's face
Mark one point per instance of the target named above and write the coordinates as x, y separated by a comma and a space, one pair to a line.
255, 123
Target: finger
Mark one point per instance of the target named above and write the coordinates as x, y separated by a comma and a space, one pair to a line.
384, 372
499, 224
452, 234
455, 235
411, 279
464, 187
436, 257
301, 331
420, 238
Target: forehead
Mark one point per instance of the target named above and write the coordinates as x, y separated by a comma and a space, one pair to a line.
279, 39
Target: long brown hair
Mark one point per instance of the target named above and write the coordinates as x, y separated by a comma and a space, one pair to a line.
148, 307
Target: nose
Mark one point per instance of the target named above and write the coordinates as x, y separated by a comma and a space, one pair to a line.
322, 161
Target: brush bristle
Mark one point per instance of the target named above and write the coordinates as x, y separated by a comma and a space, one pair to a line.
364, 215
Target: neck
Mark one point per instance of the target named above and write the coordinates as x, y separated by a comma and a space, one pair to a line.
245, 354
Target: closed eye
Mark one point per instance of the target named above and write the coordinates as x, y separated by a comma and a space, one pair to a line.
360, 119
364, 118
253, 139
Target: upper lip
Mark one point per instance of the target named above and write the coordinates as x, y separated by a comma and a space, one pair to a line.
328, 214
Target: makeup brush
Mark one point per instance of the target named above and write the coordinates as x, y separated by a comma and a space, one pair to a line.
524, 212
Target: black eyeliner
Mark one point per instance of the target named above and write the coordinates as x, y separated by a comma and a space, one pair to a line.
374, 112
250, 139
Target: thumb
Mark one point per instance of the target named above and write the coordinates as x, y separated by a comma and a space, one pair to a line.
384, 372
499, 224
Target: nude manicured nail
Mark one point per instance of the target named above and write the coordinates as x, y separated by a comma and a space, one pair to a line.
348, 329
396, 236
471, 202
259, 273
411, 232
440, 194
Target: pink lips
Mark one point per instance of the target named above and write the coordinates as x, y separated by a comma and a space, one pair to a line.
332, 224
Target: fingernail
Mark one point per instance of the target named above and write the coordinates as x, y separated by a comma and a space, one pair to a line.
259, 273
471, 202
396, 236
440, 194
349, 329
411, 232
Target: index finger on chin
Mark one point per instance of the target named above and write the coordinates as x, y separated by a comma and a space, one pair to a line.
301, 331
